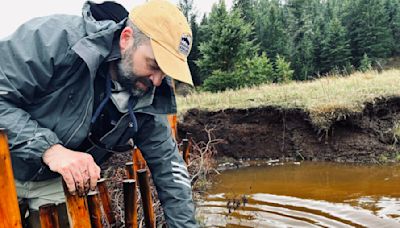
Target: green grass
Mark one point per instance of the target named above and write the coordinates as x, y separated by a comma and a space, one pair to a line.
326, 99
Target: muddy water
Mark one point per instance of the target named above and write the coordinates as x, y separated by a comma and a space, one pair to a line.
304, 195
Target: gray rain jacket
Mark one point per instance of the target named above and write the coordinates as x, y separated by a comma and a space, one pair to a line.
47, 73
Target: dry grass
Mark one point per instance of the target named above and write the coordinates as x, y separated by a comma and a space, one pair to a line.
325, 99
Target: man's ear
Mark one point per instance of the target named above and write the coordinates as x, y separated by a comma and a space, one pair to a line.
125, 38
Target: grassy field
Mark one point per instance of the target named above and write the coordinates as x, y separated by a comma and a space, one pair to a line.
325, 99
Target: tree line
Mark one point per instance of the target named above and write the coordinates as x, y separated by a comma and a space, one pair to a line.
269, 41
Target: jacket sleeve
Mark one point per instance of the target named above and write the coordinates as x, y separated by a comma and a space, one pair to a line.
27, 64
168, 170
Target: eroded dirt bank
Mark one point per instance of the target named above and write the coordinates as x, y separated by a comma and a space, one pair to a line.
269, 132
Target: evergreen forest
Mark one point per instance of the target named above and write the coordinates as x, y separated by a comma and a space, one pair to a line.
277, 41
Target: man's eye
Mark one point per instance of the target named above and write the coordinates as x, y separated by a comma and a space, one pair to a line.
154, 67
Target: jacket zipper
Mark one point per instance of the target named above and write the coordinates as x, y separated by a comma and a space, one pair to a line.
83, 121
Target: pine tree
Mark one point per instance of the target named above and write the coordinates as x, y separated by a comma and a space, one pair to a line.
250, 72
228, 42
246, 8
302, 37
256, 70
283, 73
270, 28
318, 27
392, 8
187, 8
367, 24
336, 52
365, 63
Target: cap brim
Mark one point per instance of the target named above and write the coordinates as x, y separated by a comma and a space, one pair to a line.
170, 64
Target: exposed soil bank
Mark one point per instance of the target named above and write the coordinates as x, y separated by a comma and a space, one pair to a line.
270, 132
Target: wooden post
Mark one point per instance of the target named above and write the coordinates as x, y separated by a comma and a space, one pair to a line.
9, 209
130, 198
130, 172
138, 159
77, 208
105, 200
145, 192
172, 117
94, 204
187, 146
174, 126
48, 216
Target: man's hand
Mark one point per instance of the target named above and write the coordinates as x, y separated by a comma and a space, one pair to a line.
78, 169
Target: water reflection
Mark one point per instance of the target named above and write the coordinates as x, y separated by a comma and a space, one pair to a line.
306, 195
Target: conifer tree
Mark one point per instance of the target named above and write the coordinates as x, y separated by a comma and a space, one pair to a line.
246, 8
187, 8
368, 28
191, 15
228, 42
271, 29
302, 35
335, 52
319, 22
250, 72
365, 63
283, 72
392, 8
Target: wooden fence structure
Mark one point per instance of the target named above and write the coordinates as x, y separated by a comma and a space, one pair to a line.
92, 210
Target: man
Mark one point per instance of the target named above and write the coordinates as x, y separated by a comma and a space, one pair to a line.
77, 89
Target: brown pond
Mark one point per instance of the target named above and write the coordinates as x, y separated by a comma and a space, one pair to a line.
307, 194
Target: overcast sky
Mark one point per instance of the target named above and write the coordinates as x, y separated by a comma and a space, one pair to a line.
15, 12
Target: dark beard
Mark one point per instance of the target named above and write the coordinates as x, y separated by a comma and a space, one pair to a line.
128, 79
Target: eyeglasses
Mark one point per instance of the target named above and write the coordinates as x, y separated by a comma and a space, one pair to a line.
112, 149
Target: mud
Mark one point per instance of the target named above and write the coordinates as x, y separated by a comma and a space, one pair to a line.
275, 133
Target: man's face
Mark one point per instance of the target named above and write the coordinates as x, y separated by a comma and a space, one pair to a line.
138, 71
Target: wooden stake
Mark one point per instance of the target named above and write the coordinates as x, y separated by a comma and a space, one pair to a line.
174, 125
130, 203
105, 200
9, 209
187, 146
138, 159
49, 216
172, 117
94, 204
77, 208
130, 172
145, 192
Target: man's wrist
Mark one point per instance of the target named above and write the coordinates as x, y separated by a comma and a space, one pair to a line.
49, 152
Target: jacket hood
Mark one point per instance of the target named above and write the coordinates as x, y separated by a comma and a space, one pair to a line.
100, 35
102, 16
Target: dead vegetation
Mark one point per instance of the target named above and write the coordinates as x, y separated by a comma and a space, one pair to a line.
202, 163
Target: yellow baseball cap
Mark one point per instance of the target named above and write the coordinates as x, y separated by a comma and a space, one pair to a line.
170, 36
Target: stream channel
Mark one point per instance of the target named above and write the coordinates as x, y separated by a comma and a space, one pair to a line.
306, 194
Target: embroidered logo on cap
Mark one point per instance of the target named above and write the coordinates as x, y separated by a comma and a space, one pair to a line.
185, 44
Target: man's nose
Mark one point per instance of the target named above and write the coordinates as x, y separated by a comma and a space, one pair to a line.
157, 78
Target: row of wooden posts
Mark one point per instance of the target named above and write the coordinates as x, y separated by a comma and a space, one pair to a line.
86, 211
